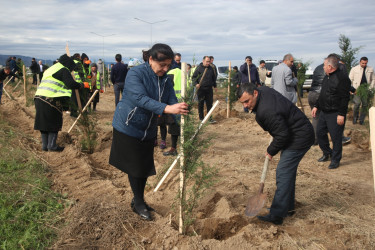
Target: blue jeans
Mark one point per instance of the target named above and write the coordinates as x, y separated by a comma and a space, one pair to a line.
286, 171
118, 87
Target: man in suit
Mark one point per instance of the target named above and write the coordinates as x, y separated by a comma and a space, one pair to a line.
283, 80
42, 68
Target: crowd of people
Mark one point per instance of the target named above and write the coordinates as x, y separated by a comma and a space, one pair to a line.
148, 96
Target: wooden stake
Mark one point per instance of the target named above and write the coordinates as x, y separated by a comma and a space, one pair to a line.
228, 102
76, 90
179, 155
83, 110
372, 138
10, 79
248, 70
24, 82
182, 158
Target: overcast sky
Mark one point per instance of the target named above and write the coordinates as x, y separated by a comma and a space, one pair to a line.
228, 30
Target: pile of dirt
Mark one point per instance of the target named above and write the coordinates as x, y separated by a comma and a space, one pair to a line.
335, 208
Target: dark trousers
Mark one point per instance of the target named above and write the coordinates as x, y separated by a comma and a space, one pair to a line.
118, 87
313, 98
357, 100
35, 80
204, 95
286, 171
328, 124
1, 90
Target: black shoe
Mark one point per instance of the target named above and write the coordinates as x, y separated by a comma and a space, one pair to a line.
334, 165
45, 149
57, 149
147, 206
271, 218
212, 121
170, 152
290, 212
361, 122
144, 213
324, 158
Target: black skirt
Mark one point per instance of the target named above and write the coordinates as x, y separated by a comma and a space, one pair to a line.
132, 156
49, 114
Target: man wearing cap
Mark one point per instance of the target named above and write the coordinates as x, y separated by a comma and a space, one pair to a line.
283, 80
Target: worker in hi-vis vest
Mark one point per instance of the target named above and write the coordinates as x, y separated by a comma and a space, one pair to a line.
95, 83
53, 97
171, 120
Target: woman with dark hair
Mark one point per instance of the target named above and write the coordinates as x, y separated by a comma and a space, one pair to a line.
148, 92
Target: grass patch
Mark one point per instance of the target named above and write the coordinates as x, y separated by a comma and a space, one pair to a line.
29, 210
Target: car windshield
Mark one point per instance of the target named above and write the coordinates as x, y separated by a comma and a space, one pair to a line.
222, 69
270, 65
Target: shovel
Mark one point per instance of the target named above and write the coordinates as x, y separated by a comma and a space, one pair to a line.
256, 202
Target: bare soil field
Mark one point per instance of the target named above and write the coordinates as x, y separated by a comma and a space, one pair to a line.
335, 208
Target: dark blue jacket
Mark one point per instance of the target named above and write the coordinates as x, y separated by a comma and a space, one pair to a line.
254, 74
145, 97
118, 73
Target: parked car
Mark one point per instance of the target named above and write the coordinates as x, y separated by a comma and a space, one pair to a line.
269, 66
308, 80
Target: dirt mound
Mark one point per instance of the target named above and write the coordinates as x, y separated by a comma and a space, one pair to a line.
335, 208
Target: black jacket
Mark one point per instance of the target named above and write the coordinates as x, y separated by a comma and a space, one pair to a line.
289, 127
236, 78
209, 79
34, 67
334, 96
317, 79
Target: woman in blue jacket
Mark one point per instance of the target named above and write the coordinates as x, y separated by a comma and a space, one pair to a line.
148, 92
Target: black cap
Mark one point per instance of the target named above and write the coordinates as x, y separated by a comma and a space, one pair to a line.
83, 56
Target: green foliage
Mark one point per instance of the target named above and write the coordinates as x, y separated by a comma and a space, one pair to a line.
365, 92
301, 74
198, 176
348, 53
28, 208
88, 139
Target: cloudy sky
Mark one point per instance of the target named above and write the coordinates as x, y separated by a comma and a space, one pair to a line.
228, 30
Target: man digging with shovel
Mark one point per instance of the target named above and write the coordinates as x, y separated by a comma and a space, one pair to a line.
292, 134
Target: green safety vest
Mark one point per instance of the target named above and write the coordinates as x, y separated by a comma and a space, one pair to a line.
97, 81
52, 87
177, 81
77, 78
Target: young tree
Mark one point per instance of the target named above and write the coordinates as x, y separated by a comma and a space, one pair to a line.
348, 53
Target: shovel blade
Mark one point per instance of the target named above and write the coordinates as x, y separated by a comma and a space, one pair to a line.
255, 204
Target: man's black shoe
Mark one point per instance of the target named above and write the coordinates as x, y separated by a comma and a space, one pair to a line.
271, 218
57, 149
144, 213
324, 158
147, 206
334, 165
290, 212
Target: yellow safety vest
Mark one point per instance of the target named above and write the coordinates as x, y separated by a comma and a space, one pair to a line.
176, 72
97, 81
52, 87
77, 78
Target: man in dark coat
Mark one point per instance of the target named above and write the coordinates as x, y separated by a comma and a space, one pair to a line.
35, 70
118, 75
4, 73
292, 134
333, 105
204, 79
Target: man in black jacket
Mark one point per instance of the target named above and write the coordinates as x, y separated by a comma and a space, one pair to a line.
118, 74
35, 70
204, 79
292, 134
333, 105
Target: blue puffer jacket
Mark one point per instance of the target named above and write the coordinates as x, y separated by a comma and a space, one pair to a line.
145, 97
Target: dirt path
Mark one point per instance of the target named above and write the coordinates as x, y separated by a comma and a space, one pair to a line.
335, 208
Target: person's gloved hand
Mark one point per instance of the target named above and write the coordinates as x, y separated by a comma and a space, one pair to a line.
101, 91
86, 85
